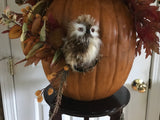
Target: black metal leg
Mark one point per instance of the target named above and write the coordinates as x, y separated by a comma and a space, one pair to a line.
116, 116
86, 118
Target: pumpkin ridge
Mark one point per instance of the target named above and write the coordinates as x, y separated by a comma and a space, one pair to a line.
66, 12
95, 81
130, 49
117, 46
129, 38
96, 68
119, 38
128, 60
108, 79
79, 96
129, 41
65, 7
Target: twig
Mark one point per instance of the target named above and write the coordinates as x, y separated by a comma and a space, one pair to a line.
59, 94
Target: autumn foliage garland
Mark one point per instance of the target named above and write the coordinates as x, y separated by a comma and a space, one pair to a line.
147, 23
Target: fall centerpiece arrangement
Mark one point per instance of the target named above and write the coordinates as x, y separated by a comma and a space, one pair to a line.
87, 47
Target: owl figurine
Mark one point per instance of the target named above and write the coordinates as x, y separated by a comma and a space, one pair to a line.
82, 43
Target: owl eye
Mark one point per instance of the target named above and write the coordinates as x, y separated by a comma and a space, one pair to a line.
92, 30
80, 29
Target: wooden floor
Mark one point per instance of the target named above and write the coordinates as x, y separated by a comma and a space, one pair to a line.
1, 108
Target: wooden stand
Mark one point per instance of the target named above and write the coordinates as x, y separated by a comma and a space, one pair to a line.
111, 106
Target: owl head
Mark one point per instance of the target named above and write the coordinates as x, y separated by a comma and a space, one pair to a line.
84, 25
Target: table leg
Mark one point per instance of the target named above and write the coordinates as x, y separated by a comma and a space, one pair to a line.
116, 116
86, 118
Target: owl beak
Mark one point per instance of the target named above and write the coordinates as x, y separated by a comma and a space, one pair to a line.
88, 31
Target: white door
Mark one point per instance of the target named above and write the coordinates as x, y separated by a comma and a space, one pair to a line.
136, 109
27, 80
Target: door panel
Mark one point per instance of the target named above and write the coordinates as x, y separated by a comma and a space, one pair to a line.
153, 109
136, 109
8, 92
4, 41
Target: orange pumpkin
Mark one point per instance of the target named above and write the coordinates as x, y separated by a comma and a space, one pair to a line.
118, 49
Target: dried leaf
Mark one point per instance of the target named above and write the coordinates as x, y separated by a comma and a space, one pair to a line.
51, 76
66, 68
36, 61
28, 46
45, 46
23, 37
37, 9
31, 38
24, 32
0, 20
18, 17
24, 28
40, 98
5, 16
33, 50
56, 56
30, 61
43, 54
24, 11
38, 92
11, 17
36, 26
155, 47
21, 61
43, 32
15, 32
6, 31
50, 91
20, 2
31, 2
147, 19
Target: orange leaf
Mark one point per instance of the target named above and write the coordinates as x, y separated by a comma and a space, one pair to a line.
31, 38
36, 61
45, 46
23, 60
28, 46
36, 26
50, 91
40, 98
43, 54
15, 32
30, 61
66, 67
38, 92
51, 76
